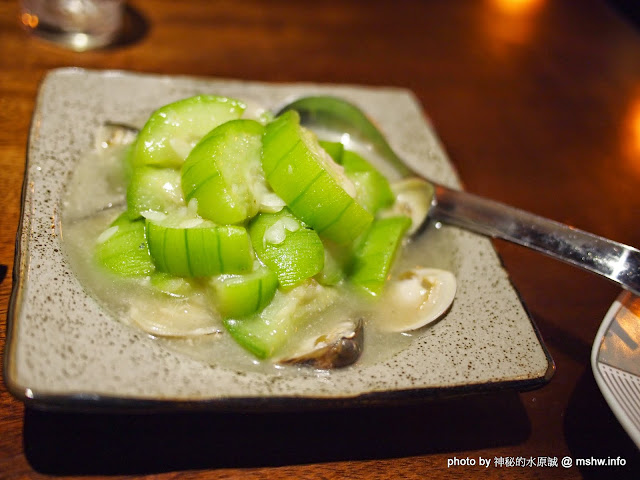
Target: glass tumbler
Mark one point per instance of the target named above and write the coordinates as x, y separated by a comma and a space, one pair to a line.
75, 24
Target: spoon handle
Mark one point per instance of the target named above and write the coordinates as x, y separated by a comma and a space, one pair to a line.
613, 260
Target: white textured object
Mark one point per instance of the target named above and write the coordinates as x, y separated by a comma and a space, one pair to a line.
65, 350
615, 361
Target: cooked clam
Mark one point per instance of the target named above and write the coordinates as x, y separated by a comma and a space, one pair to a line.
340, 347
419, 297
112, 133
174, 317
413, 199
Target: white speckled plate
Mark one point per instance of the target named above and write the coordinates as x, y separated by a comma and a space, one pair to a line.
63, 349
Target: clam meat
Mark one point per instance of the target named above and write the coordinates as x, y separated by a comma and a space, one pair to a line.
418, 297
340, 347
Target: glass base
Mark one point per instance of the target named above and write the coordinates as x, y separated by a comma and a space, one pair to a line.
77, 41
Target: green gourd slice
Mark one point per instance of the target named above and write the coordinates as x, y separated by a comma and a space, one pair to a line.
172, 131
266, 332
334, 149
201, 250
172, 286
224, 172
336, 261
312, 185
239, 295
122, 248
373, 190
374, 256
289, 248
154, 189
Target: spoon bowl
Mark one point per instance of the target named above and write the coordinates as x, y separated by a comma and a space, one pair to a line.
613, 260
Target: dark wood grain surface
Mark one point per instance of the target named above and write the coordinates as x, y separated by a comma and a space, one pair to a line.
538, 104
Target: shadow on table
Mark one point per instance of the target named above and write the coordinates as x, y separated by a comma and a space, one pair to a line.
135, 27
592, 431
71, 443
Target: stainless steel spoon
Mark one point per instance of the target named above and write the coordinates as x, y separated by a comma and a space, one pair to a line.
613, 260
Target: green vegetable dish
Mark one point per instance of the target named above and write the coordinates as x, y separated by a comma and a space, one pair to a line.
253, 229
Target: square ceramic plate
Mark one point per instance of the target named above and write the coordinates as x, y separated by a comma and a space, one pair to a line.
64, 350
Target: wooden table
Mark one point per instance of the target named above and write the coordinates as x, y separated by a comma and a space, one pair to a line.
538, 105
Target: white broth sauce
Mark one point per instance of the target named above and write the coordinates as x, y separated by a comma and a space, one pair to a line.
95, 196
